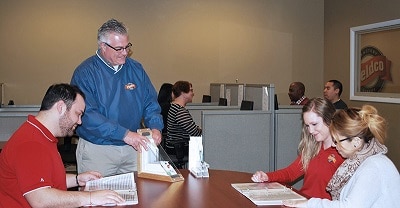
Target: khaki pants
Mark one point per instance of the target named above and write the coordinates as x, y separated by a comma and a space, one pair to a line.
106, 159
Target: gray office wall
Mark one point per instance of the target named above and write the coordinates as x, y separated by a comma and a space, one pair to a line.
195, 111
288, 126
238, 140
11, 119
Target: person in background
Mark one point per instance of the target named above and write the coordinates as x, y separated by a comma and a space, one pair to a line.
332, 92
32, 173
119, 96
317, 160
367, 178
180, 124
296, 94
164, 100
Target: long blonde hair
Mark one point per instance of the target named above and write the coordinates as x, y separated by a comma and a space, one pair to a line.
308, 146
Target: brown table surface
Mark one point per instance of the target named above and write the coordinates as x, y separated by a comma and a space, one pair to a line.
215, 191
2, 143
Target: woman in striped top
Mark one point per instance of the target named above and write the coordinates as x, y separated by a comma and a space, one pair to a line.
180, 124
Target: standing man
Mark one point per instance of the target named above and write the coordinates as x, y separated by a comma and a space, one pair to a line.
296, 94
119, 96
332, 91
32, 173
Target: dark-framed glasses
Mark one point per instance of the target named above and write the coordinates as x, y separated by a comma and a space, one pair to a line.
341, 140
120, 49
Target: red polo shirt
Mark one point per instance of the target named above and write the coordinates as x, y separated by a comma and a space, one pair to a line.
29, 161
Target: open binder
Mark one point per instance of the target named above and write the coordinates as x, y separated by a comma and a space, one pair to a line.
155, 162
123, 184
271, 193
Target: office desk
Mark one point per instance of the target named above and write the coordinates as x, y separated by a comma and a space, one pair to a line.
215, 191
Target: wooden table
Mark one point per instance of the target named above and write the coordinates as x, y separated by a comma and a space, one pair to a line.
2, 143
215, 191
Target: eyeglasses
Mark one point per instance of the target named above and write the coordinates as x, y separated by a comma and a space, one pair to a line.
119, 49
341, 140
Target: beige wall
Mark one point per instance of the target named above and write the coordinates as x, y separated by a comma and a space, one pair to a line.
257, 41
201, 41
340, 16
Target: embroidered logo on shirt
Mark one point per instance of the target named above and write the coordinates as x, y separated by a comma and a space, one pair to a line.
130, 86
41, 180
331, 158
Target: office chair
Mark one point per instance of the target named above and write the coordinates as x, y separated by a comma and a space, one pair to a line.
178, 154
246, 105
223, 102
67, 152
206, 99
181, 161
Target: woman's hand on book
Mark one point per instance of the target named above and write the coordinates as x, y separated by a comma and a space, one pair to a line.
259, 176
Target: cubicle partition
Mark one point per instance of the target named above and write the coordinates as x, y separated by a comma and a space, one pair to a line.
12, 117
195, 111
233, 92
238, 140
261, 94
288, 124
251, 140
262, 139
217, 90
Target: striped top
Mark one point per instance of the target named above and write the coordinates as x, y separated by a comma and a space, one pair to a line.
180, 125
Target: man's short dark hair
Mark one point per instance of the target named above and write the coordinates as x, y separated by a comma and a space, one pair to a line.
301, 87
57, 92
337, 85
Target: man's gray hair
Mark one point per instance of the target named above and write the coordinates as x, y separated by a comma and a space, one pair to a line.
108, 27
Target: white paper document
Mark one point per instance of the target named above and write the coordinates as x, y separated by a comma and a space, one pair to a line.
267, 193
123, 184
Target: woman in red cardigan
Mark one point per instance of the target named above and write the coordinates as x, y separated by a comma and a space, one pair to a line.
317, 160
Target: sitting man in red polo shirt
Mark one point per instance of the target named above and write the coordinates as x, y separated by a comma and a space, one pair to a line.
32, 173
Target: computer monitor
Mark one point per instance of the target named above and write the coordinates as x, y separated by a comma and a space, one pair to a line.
206, 99
246, 105
223, 102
